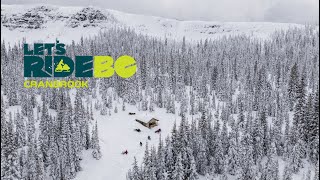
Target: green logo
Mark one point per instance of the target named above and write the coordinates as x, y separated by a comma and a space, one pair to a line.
62, 67
49, 60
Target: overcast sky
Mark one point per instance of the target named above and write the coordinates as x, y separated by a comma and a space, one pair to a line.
297, 11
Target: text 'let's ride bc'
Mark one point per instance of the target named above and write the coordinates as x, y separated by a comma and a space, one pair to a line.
48, 60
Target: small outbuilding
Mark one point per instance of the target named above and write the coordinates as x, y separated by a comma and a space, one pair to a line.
152, 123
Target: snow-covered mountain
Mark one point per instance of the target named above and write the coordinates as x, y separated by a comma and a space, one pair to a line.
48, 22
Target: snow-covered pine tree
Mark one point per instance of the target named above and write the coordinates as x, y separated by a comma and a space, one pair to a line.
299, 111
10, 168
178, 172
313, 129
293, 85
96, 153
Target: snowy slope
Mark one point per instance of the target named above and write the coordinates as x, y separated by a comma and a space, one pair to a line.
48, 22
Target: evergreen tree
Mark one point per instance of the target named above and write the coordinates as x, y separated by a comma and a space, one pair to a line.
178, 169
313, 129
11, 168
20, 131
299, 111
293, 85
316, 174
287, 175
95, 143
136, 175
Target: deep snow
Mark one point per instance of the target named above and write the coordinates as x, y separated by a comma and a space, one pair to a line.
116, 134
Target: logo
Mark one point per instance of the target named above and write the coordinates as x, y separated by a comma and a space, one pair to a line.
62, 67
49, 60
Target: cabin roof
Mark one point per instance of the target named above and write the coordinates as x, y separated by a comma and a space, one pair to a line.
154, 119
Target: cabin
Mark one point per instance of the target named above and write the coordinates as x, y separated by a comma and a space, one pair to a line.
152, 123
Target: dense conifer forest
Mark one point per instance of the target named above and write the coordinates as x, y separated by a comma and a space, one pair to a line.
247, 107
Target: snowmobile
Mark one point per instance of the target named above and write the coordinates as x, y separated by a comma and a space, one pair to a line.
158, 131
125, 152
138, 130
131, 113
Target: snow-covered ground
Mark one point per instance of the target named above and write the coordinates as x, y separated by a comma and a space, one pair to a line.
117, 135
70, 23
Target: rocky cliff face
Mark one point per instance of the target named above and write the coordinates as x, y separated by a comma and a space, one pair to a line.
89, 17
33, 19
38, 17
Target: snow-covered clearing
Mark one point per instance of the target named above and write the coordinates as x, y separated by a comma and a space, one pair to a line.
117, 134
